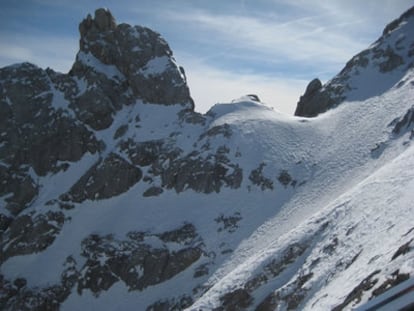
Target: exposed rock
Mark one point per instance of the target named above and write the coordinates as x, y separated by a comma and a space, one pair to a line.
290, 297
224, 130
276, 266
135, 262
141, 56
4, 223
20, 186
387, 55
180, 172
392, 60
403, 249
356, 294
29, 234
175, 304
148, 152
254, 97
285, 179
201, 270
17, 295
404, 124
103, 21
184, 235
257, 178
394, 279
121, 131
192, 117
202, 174
395, 23
317, 99
236, 300
107, 178
37, 134
229, 223
153, 191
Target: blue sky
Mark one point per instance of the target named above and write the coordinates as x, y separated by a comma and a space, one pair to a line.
272, 48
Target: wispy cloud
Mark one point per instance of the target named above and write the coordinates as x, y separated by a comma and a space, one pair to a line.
305, 39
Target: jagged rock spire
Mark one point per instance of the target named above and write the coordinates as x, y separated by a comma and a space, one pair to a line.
103, 21
142, 59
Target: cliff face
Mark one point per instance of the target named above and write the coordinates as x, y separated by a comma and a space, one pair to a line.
369, 73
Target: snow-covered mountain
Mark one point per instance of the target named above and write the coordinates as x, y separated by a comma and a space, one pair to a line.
116, 195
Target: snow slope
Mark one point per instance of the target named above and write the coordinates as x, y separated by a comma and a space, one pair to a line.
363, 201
349, 189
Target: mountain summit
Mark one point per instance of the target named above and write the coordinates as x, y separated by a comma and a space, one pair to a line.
116, 194
136, 57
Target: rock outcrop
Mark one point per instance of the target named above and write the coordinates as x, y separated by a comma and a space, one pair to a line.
138, 58
392, 53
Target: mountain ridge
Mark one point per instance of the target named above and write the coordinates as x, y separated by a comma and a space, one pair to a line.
385, 61
109, 198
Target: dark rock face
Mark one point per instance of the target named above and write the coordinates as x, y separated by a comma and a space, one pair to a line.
20, 186
257, 178
404, 124
202, 174
185, 171
107, 178
237, 300
391, 53
108, 260
133, 261
356, 294
141, 56
317, 100
29, 234
34, 132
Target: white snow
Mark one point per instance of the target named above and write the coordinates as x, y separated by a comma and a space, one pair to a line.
156, 66
111, 71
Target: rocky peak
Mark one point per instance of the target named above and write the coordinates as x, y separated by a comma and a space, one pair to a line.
389, 59
49, 120
103, 21
132, 57
397, 22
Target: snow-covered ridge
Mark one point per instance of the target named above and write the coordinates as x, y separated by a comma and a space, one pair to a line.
369, 73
